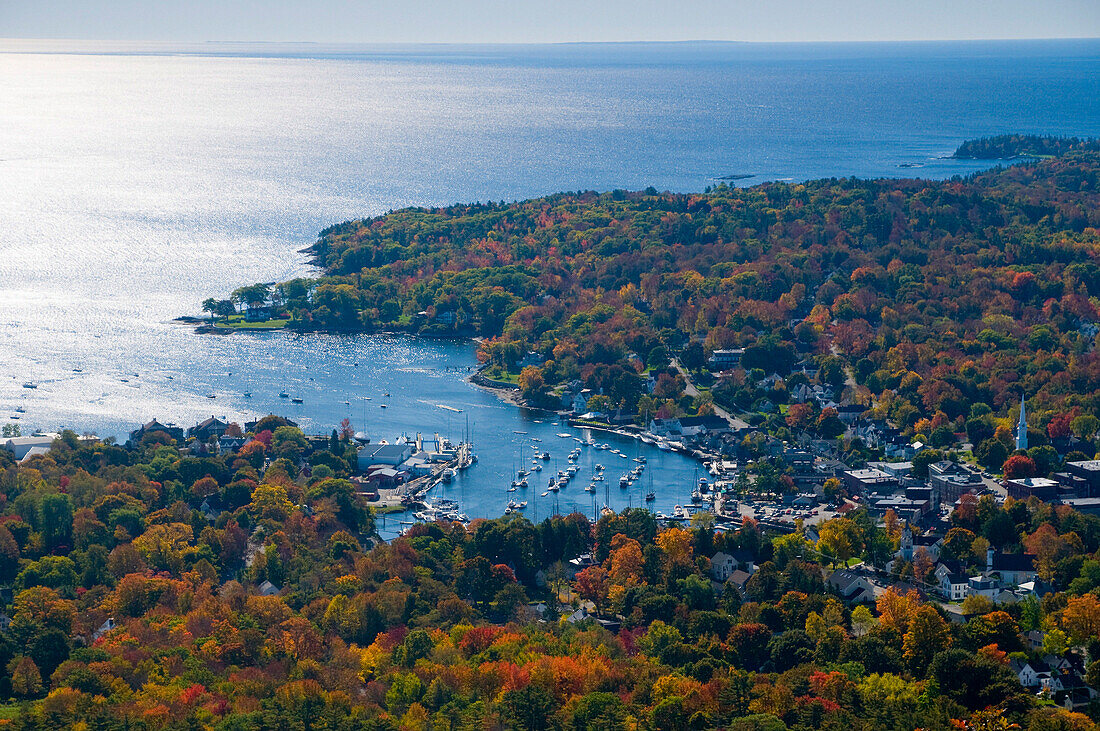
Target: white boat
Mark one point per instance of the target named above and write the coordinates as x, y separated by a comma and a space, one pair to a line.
30, 384
624, 482
536, 467
448, 474
545, 493
563, 435
521, 505
663, 446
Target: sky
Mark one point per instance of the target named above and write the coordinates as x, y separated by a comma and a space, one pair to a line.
546, 21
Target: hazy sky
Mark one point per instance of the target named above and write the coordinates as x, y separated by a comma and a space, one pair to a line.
520, 21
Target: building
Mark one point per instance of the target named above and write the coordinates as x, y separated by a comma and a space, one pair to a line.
982, 586
1021, 427
724, 360
1089, 471
723, 565
869, 480
207, 429
851, 586
1071, 485
1012, 568
174, 432
691, 426
383, 454
950, 481
1022, 488
903, 507
900, 470
849, 413
25, 447
953, 586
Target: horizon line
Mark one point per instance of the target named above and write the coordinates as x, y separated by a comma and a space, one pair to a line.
670, 42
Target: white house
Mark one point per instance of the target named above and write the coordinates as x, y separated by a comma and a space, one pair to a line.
21, 446
954, 586
723, 565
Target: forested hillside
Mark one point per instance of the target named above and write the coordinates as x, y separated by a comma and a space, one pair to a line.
135, 603
936, 296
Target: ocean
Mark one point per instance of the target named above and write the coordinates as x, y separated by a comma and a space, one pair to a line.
136, 180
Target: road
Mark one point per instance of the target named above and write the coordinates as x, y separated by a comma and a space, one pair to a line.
691, 390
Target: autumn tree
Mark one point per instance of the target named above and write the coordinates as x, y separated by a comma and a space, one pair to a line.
592, 584
1081, 618
1018, 466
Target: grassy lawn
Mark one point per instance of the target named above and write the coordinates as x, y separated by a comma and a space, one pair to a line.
499, 375
238, 322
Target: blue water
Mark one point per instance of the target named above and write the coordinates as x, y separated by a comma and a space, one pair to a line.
137, 180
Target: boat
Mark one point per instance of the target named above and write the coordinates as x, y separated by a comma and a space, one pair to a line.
545, 493
211, 395
30, 384
347, 403
383, 406
448, 474
521, 505
640, 460
536, 467
554, 488
518, 432
20, 410
248, 394
563, 435
513, 488
591, 488
663, 446
545, 456
650, 497
296, 400
624, 482
679, 512
522, 483
599, 468
284, 394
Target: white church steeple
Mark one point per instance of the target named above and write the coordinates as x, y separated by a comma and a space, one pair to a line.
1021, 428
